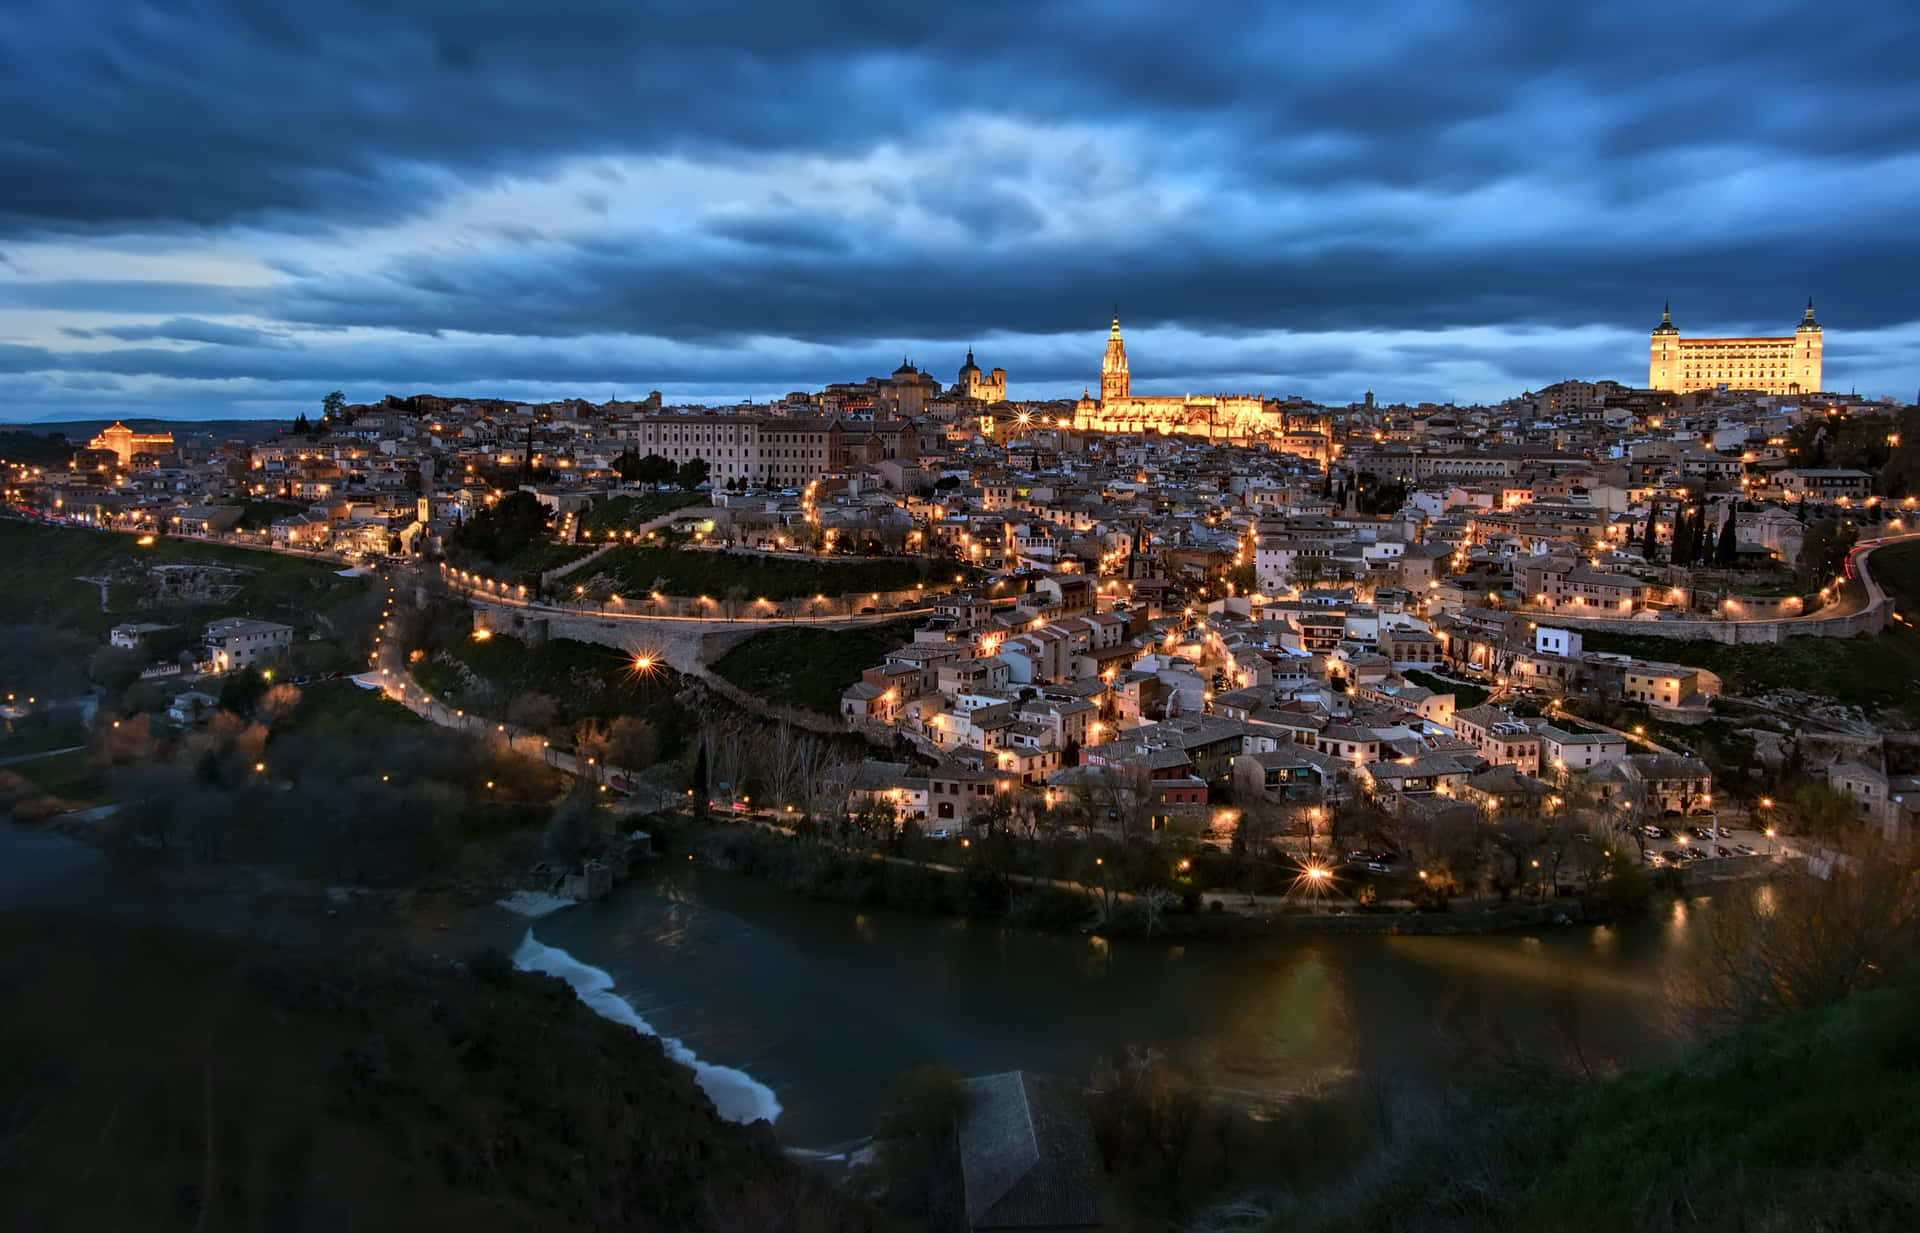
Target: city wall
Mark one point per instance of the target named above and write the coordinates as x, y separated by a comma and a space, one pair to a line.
1869, 620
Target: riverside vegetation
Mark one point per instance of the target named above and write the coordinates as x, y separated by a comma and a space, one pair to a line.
226, 1084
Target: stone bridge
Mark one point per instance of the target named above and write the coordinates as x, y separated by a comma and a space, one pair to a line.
686, 644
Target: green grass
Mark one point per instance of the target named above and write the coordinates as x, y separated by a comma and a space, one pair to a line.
40, 567
622, 513
259, 515
1784, 1121
1774, 588
345, 708
637, 570
68, 776
1464, 695
808, 667
1811, 1121
1871, 671
40, 731
585, 681
536, 559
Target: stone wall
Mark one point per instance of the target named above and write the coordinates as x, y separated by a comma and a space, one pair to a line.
1870, 620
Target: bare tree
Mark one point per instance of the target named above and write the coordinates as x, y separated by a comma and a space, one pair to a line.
1801, 941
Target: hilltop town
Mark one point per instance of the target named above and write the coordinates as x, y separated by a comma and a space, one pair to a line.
1166, 612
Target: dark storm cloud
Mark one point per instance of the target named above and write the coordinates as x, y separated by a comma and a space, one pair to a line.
184, 329
1402, 165
811, 291
83, 295
206, 112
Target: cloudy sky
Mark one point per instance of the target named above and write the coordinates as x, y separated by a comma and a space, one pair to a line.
227, 208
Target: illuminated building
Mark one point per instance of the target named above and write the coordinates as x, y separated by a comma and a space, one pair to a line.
988, 387
1215, 416
125, 442
1769, 365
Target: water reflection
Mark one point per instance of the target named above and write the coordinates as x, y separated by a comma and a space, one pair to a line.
829, 1005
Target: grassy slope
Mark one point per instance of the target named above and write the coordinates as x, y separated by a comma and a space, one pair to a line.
1464, 695
1874, 672
376, 1094
810, 667
1796, 1123
40, 565
1809, 1122
624, 512
692, 572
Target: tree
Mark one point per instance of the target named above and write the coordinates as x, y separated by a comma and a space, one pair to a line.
1823, 552
656, 470
692, 473
533, 712
573, 833
332, 405
632, 743
1680, 551
627, 465
1726, 552
1697, 552
1306, 571
914, 1148
1650, 544
1801, 941
501, 531
300, 425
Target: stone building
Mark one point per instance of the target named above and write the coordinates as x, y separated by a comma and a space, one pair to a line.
972, 383
1769, 365
125, 442
1214, 416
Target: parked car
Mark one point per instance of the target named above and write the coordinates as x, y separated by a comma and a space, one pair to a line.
1723, 850
940, 832
1743, 849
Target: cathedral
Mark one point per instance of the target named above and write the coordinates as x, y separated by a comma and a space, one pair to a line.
1224, 417
989, 388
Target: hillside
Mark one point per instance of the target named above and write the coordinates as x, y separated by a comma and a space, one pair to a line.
156, 1079
1808, 1122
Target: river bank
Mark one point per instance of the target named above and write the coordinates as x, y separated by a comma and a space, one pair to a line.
980, 891
179, 1078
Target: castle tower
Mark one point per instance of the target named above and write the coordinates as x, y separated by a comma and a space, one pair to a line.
1808, 343
1113, 369
1664, 353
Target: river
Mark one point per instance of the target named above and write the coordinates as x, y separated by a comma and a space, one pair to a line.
808, 1012
812, 1010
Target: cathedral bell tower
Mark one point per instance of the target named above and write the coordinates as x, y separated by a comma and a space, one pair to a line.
1113, 369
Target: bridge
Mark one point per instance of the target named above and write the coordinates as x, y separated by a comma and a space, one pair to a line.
686, 644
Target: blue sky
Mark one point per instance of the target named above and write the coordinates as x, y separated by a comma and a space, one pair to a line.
220, 208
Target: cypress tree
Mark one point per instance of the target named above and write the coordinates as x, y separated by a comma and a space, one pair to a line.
1699, 550
1726, 552
1678, 551
1650, 546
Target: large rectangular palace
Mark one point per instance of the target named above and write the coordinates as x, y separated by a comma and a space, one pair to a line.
1769, 365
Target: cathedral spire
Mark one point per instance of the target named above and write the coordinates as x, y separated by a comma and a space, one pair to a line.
1807, 322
